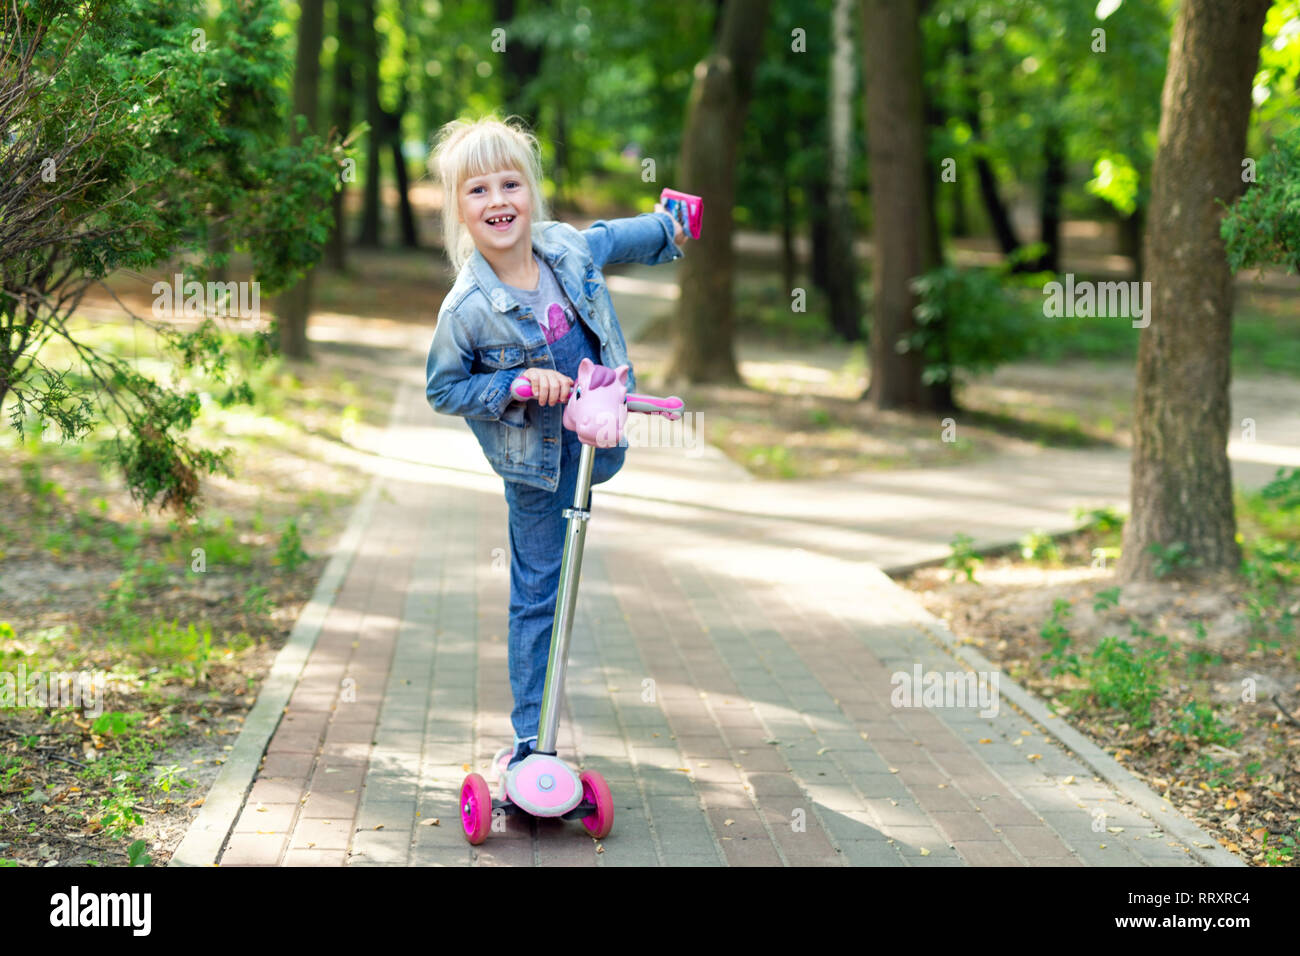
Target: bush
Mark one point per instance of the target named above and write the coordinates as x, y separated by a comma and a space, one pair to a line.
970, 320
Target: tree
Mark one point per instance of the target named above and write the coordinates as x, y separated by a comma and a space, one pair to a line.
842, 273
119, 143
702, 349
336, 250
902, 201
1181, 481
294, 305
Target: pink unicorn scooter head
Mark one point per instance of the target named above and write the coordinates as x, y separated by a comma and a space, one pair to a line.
597, 406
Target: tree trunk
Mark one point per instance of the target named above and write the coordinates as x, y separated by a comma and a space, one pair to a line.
1130, 239
819, 233
294, 305
999, 218
719, 99
520, 64
900, 197
1049, 221
788, 259
368, 48
336, 250
1181, 481
842, 273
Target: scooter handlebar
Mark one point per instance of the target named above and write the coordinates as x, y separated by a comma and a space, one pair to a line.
670, 407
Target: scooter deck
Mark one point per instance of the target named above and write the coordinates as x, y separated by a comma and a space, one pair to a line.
584, 809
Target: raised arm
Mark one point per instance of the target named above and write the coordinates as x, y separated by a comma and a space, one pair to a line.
647, 238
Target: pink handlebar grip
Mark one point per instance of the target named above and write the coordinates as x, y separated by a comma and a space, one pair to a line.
670, 407
522, 389
688, 210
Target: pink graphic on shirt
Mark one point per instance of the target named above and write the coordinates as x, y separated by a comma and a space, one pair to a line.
558, 322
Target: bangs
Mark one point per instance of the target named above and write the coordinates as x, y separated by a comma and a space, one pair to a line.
490, 149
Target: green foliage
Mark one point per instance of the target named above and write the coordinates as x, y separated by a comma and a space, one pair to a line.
290, 554
256, 601
963, 559
170, 776
136, 854
158, 143
1283, 490
1172, 558
970, 320
1057, 635
1199, 722
1119, 677
1104, 520
1040, 547
119, 812
1263, 226
1105, 599
1283, 854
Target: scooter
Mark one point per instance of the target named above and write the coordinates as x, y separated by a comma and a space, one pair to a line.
542, 784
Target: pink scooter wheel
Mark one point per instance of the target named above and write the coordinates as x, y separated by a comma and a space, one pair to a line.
596, 790
475, 809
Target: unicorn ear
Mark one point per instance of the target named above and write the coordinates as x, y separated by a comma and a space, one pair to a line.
621, 373
584, 370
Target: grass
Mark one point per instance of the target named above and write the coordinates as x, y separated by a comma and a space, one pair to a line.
179, 613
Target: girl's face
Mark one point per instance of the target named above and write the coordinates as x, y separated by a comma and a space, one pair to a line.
495, 209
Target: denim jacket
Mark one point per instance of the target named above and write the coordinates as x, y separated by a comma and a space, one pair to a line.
484, 339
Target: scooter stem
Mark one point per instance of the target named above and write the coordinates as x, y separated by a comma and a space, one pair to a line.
567, 596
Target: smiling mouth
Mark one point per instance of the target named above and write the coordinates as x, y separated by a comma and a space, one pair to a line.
500, 222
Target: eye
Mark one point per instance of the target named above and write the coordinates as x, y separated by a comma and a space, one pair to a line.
577, 391
512, 183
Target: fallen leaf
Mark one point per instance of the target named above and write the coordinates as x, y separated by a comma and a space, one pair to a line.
924, 852
986, 740
893, 770
379, 826
1034, 757
1069, 779
822, 751
1114, 829
599, 848
465, 767
431, 822
727, 823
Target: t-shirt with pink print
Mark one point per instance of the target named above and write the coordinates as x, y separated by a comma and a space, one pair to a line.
548, 303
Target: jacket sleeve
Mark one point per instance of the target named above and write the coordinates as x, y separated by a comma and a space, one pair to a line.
452, 388
647, 238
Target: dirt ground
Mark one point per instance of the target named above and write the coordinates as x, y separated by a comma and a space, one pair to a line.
1243, 791
54, 595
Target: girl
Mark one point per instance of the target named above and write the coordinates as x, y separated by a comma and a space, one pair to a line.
529, 300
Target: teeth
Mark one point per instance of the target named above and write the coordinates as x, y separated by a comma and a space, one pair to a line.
495, 219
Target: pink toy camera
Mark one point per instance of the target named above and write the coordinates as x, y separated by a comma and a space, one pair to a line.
688, 210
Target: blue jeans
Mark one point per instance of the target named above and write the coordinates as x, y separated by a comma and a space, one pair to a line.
537, 532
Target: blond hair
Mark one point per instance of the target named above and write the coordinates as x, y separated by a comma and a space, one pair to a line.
465, 149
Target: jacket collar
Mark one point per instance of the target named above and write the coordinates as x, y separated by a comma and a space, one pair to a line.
551, 250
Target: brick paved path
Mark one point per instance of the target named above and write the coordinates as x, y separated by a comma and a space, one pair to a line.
736, 695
